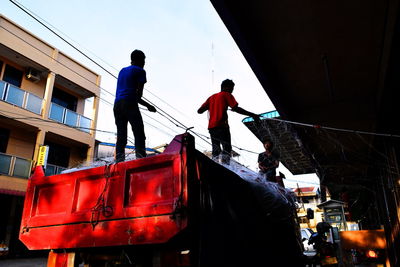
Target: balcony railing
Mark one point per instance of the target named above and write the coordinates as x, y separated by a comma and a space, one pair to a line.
69, 117
18, 97
53, 169
15, 166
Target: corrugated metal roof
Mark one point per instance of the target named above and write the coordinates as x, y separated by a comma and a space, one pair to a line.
286, 143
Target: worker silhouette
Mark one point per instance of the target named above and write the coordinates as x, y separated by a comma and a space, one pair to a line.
268, 161
218, 126
129, 93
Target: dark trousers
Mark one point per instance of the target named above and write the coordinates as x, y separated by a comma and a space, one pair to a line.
128, 111
221, 136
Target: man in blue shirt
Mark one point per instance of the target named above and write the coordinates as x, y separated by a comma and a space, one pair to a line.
130, 84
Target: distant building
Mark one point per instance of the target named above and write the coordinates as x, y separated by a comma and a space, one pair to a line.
42, 100
308, 198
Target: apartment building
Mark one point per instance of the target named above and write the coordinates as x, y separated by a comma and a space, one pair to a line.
308, 198
43, 93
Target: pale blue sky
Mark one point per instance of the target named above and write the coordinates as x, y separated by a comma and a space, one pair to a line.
177, 37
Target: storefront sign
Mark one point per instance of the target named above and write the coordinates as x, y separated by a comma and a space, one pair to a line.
43, 153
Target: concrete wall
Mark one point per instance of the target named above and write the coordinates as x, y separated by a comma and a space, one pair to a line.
21, 144
36, 88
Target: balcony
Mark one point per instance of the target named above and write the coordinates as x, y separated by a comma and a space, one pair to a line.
69, 117
53, 169
18, 97
15, 166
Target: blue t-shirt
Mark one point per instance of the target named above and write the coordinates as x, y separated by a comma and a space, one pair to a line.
128, 80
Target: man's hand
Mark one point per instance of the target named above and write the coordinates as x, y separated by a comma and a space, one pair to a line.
201, 110
151, 108
256, 119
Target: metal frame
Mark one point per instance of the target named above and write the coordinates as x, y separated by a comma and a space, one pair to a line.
28, 94
2, 97
12, 165
8, 93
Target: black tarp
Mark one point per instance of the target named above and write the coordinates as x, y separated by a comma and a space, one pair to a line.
244, 223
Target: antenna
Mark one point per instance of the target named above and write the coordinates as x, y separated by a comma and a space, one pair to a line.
212, 64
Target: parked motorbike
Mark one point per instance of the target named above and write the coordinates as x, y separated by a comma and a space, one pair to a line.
326, 251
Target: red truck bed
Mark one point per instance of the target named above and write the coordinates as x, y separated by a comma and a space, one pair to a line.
121, 204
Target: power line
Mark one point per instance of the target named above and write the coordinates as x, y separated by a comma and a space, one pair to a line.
242, 149
166, 103
103, 89
62, 64
105, 62
105, 101
62, 38
30, 13
165, 114
333, 128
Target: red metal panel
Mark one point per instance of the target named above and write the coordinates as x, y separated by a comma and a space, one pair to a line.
47, 195
125, 203
146, 230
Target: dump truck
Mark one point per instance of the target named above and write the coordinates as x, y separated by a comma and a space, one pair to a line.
178, 208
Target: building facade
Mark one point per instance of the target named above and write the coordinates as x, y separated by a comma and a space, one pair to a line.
43, 93
308, 198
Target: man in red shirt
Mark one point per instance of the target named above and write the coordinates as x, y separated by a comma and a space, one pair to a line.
218, 126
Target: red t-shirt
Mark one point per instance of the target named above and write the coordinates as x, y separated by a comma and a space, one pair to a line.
217, 105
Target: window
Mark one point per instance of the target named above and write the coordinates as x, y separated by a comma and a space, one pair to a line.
64, 99
4, 135
13, 76
58, 154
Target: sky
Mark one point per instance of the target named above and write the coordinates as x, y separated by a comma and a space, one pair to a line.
188, 51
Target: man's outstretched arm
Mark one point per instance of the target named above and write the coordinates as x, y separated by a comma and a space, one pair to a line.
242, 111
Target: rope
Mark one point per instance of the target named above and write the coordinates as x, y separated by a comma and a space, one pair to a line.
101, 207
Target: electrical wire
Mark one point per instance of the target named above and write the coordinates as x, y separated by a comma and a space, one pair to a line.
62, 38
163, 113
333, 128
171, 118
52, 26
101, 99
44, 122
167, 115
2, 112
